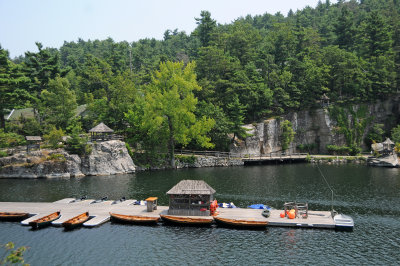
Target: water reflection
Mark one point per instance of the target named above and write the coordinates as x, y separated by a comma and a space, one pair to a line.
370, 195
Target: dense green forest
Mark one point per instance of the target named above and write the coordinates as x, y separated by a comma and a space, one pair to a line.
196, 89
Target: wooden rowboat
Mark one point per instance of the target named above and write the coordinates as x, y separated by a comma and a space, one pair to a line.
241, 223
46, 220
134, 218
184, 220
76, 221
13, 216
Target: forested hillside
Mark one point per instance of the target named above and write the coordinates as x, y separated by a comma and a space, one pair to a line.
196, 88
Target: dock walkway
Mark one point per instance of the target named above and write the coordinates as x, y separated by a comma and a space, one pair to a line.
99, 213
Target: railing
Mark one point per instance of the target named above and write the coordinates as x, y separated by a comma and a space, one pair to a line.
232, 155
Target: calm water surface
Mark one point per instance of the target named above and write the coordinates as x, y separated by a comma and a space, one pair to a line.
370, 195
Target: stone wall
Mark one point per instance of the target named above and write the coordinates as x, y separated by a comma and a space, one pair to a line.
312, 127
209, 161
107, 158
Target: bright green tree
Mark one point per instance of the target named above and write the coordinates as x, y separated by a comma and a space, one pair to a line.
287, 134
396, 134
11, 78
59, 103
169, 108
54, 137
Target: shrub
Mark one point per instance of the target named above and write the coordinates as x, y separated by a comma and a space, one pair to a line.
56, 157
338, 150
306, 147
3, 154
129, 149
186, 159
77, 144
10, 139
54, 137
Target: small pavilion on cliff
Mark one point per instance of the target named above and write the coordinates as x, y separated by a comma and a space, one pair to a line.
101, 132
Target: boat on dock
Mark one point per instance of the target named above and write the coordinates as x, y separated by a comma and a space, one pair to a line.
44, 221
186, 220
134, 219
76, 221
13, 216
240, 223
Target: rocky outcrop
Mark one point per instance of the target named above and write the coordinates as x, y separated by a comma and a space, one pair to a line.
386, 161
106, 158
209, 161
314, 127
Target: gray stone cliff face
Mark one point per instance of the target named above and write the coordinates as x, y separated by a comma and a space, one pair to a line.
312, 127
107, 158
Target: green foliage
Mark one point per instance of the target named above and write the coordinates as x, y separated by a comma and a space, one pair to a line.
77, 144
287, 135
130, 152
13, 255
186, 159
375, 134
54, 137
3, 154
168, 109
351, 123
56, 157
58, 103
395, 136
10, 139
338, 150
272, 64
306, 147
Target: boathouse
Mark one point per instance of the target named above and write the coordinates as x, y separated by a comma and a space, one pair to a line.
191, 198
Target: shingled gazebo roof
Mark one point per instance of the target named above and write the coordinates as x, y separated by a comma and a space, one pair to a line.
33, 138
388, 142
191, 187
101, 128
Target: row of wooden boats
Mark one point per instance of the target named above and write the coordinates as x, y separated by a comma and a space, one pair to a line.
46, 220
134, 219
188, 220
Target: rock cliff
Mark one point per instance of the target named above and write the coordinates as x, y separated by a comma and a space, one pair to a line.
314, 127
106, 158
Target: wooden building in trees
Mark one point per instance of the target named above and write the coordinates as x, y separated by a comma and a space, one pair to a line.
388, 147
101, 132
190, 198
33, 142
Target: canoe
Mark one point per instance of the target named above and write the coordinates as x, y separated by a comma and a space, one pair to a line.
46, 220
185, 220
13, 216
76, 221
134, 218
240, 223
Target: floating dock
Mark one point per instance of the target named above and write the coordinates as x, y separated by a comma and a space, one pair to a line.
99, 213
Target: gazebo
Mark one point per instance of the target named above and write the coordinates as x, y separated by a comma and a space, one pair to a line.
325, 100
33, 142
191, 198
100, 132
388, 146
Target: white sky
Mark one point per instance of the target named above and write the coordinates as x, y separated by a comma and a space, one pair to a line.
51, 22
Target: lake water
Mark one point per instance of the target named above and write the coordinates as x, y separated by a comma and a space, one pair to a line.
370, 195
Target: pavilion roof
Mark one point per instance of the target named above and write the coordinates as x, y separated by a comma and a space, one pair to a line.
101, 128
192, 187
33, 138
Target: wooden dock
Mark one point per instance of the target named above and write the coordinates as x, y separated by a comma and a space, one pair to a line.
99, 213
